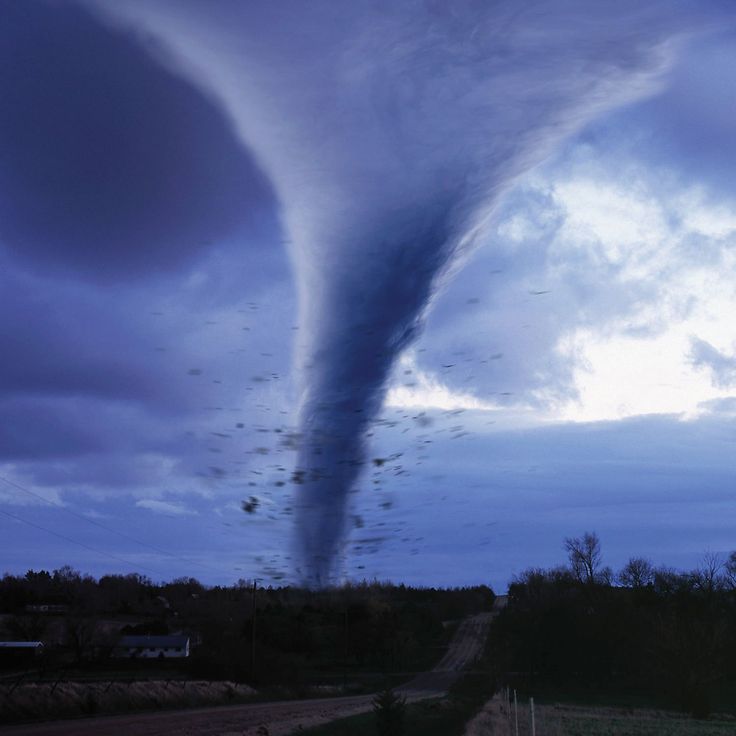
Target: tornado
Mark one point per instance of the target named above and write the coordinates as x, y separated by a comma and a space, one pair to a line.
390, 130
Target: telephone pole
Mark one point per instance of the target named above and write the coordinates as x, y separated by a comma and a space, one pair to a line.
253, 636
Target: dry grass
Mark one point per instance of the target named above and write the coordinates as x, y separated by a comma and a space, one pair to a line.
570, 720
492, 719
37, 701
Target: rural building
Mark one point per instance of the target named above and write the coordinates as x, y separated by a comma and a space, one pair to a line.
152, 647
15, 653
47, 608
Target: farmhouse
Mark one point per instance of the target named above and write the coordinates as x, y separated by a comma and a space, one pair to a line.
15, 653
152, 647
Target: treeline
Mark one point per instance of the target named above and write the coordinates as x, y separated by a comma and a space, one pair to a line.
663, 634
301, 636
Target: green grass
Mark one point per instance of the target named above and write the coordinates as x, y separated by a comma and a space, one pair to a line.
594, 697
568, 721
723, 697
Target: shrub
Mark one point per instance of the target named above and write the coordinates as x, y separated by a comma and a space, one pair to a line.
390, 709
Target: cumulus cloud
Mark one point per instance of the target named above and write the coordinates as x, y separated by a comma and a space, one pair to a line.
586, 294
722, 367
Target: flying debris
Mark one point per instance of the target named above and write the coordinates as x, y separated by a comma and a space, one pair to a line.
250, 505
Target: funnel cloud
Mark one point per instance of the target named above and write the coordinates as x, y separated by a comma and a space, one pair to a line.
390, 132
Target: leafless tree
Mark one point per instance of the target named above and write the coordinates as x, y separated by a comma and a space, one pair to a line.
81, 635
730, 570
585, 557
709, 575
638, 572
26, 628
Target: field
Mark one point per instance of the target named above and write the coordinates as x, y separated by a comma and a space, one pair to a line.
41, 700
447, 717
571, 720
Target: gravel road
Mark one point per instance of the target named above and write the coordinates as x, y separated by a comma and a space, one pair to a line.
274, 718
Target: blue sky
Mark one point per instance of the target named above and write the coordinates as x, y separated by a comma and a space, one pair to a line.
471, 272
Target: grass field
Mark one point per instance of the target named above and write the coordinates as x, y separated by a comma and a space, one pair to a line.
571, 720
584, 721
447, 718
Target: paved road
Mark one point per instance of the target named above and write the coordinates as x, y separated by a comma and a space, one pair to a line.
279, 718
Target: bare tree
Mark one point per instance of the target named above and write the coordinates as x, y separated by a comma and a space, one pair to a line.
585, 557
81, 636
730, 570
638, 572
708, 576
26, 628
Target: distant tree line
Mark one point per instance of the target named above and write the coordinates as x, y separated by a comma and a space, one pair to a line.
647, 630
301, 636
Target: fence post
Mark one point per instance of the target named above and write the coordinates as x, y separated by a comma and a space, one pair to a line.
516, 713
531, 707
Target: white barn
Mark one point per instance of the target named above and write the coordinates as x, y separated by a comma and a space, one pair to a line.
152, 647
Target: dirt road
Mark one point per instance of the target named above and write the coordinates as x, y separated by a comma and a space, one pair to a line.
278, 718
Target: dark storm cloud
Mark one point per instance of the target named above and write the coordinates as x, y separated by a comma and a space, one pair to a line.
62, 342
127, 386
110, 164
136, 234
32, 430
690, 122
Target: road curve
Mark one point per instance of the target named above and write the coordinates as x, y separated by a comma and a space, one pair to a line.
278, 718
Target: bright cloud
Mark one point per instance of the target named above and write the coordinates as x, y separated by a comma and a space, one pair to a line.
659, 264
422, 390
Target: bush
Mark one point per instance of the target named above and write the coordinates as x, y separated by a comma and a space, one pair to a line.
390, 709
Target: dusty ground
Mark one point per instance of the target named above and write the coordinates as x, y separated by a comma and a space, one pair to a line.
270, 719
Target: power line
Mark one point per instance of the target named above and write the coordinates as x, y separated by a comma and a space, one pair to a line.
153, 547
79, 544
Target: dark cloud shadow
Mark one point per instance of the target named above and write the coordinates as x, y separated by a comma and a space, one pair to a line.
111, 165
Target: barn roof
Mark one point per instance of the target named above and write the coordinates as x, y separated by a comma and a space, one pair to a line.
162, 642
20, 644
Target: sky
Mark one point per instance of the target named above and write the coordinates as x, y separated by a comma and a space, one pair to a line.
407, 291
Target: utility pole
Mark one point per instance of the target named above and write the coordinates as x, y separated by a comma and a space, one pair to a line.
345, 656
253, 636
